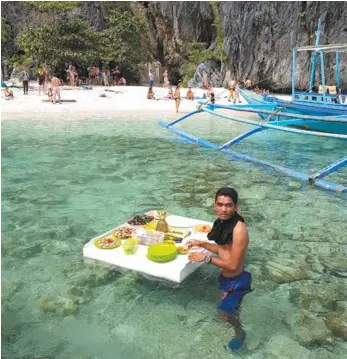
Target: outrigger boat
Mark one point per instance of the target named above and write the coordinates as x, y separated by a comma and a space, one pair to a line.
327, 108
308, 113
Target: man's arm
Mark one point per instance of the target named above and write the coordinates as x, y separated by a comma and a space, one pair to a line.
209, 246
237, 250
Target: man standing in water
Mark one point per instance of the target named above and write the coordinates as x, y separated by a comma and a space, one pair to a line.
230, 234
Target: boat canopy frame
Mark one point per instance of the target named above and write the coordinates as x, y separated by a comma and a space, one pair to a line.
318, 50
315, 179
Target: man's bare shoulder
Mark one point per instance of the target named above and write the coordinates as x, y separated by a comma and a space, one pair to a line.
240, 231
240, 227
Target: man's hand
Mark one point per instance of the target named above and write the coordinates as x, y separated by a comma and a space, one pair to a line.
196, 256
194, 243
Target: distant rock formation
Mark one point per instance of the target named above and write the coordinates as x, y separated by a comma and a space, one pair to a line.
210, 67
258, 36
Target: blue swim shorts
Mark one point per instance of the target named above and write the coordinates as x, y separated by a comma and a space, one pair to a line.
233, 290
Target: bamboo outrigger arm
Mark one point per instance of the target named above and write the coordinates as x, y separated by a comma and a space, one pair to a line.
314, 179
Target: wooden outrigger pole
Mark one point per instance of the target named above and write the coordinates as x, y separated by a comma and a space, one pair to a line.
315, 179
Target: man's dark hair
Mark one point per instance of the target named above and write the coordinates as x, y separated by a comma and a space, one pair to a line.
227, 192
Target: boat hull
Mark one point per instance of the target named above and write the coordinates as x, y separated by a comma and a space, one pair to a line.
307, 109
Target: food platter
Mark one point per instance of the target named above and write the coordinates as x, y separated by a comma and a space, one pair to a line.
107, 243
123, 232
129, 245
140, 220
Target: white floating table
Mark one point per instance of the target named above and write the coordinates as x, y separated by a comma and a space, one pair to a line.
176, 270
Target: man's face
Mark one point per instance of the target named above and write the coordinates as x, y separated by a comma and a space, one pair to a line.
225, 207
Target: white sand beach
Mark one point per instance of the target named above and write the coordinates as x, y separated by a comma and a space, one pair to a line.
89, 102
131, 99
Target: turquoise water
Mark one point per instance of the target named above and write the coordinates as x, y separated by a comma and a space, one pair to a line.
66, 181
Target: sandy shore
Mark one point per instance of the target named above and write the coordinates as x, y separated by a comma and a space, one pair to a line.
88, 103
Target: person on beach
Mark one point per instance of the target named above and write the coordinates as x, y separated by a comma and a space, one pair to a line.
106, 77
206, 83
230, 234
25, 82
190, 94
236, 94
71, 75
56, 88
177, 97
117, 76
212, 98
8, 94
166, 79
122, 81
150, 94
41, 80
151, 78
50, 93
210, 92
170, 95
101, 78
232, 85
91, 75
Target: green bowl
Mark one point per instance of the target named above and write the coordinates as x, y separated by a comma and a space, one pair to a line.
164, 259
161, 250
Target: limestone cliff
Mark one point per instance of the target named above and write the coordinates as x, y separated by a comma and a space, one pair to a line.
258, 36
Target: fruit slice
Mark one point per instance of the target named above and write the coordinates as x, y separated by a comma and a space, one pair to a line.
151, 226
169, 242
204, 228
182, 250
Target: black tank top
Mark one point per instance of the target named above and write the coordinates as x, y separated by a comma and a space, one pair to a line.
222, 231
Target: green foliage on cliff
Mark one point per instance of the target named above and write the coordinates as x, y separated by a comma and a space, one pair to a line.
57, 39
5, 30
122, 42
58, 44
219, 32
196, 55
45, 6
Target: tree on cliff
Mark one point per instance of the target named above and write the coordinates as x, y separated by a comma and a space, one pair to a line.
60, 38
57, 44
122, 42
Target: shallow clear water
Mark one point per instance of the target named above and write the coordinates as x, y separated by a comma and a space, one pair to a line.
64, 182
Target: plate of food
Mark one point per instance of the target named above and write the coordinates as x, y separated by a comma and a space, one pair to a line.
107, 243
123, 232
203, 228
140, 220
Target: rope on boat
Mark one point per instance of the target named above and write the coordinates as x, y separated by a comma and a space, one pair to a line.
274, 113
